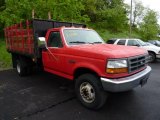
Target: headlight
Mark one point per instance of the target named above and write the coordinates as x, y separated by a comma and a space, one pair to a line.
117, 66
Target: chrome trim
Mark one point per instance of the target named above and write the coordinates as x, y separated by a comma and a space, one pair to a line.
41, 41
126, 83
128, 79
137, 62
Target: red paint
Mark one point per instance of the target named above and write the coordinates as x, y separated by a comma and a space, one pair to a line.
19, 38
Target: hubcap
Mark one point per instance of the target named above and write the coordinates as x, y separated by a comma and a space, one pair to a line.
87, 92
18, 68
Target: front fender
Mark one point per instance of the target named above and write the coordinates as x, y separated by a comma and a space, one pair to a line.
89, 66
152, 49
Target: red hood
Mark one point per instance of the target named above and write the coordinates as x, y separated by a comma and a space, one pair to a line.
103, 51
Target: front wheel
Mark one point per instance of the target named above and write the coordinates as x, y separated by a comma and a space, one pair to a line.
152, 57
90, 92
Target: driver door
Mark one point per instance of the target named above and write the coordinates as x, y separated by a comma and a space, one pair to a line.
53, 58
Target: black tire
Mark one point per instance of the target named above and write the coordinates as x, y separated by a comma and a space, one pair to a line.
21, 68
96, 90
152, 57
29, 70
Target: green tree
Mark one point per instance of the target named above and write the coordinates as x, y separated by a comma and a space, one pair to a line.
114, 17
2, 5
149, 26
138, 13
63, 10
93, 9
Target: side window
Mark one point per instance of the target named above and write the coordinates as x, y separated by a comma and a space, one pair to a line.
111, 41
121, 42
54, 40
132, 43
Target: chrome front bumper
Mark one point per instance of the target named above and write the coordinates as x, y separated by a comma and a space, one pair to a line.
127, 83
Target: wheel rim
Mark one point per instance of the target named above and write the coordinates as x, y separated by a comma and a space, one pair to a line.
87, 92
18, 68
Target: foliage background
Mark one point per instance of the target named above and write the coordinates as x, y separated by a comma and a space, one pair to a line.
109, 17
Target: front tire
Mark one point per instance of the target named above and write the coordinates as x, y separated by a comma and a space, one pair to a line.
90, 92
152, 57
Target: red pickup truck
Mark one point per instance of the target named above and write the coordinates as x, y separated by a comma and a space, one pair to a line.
77, 53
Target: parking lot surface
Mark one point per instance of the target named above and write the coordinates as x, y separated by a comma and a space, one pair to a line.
43, 96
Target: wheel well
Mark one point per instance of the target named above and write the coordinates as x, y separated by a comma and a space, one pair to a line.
152, 52
14, 59
81, 71
26, 60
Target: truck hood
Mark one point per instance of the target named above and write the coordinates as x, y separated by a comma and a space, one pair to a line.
103, 51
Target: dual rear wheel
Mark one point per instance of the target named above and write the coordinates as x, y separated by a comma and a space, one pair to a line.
23, 68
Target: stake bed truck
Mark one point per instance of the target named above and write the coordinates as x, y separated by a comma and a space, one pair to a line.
77, 53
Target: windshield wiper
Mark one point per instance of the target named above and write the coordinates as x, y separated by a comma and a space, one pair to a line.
77, 42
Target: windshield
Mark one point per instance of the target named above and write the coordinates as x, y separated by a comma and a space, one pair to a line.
81, 36
147, 43
142, 43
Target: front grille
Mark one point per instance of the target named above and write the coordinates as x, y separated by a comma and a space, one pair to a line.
138, 62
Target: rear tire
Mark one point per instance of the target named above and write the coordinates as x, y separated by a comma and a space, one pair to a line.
90, 92
21, 69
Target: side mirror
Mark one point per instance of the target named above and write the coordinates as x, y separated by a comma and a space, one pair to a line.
42, 43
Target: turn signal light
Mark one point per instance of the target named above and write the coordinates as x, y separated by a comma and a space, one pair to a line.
116, 70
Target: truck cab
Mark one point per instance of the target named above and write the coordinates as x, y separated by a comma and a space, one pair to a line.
75, 52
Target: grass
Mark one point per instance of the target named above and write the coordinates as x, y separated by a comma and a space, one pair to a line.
5, 57
106, 35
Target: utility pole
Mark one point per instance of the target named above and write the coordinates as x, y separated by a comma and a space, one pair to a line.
130, 31
33, 13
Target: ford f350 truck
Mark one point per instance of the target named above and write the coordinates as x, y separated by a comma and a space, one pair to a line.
77, 53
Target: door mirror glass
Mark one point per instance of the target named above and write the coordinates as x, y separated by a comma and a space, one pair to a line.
42, 42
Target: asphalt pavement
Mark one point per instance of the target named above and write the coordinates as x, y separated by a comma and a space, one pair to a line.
43, 96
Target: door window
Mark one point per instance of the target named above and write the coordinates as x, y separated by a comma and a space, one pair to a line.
111, 41
121, 42
55, 40
132, 43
